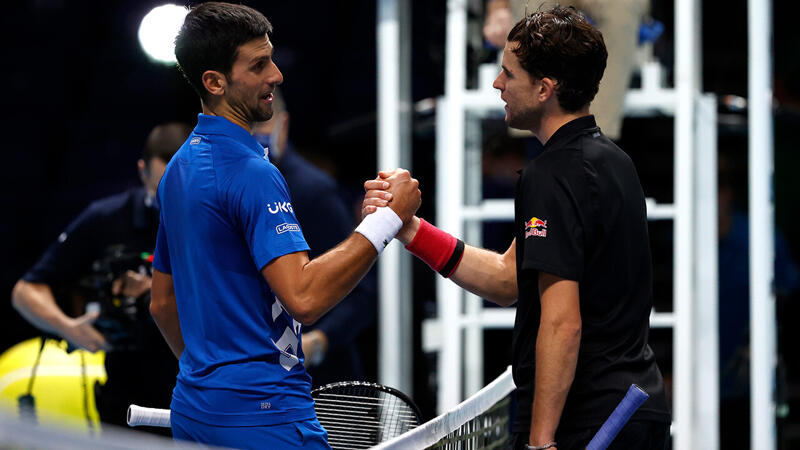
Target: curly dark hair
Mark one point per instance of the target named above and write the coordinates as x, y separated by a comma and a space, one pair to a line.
210, 38
559, 43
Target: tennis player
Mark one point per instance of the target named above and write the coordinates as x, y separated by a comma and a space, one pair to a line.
579, 268
233, 283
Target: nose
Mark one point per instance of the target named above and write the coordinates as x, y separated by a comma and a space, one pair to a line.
275, 77
498, 82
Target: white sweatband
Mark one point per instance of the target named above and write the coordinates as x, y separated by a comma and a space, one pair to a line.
380, 227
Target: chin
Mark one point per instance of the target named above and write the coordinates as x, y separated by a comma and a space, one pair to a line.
262, 116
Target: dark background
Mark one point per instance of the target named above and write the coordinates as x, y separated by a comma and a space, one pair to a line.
80, 97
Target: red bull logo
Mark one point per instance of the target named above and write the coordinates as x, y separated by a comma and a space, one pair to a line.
536, 227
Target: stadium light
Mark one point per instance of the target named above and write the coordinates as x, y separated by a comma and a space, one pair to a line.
158, 30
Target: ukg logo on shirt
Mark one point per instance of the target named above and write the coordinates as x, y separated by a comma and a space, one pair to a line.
276, 207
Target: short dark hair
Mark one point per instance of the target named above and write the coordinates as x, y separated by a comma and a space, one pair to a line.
560, 43
210, 38
164, 140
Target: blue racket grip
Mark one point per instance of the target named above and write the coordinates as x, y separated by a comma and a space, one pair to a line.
612, 426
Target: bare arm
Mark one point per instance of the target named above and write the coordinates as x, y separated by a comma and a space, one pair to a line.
309, 288
557, 347
36, 303
164, 310
485, 273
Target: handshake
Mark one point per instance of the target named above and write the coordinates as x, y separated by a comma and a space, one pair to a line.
396, 190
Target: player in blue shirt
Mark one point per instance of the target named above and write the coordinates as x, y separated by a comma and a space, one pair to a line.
233, 283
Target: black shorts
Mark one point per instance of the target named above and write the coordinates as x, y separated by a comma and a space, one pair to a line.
637, 434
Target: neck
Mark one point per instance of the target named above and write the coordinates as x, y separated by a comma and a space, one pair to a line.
222, 109
552, 122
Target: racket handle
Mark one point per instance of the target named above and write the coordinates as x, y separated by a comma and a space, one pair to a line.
154, 417
622, 413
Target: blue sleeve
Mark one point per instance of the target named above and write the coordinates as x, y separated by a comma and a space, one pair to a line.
161, 255
260, 203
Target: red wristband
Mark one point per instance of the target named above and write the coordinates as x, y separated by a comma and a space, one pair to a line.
438, 249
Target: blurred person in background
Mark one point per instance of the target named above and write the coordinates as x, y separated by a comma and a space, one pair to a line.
329, 344
617, 20
103, 255
734, 304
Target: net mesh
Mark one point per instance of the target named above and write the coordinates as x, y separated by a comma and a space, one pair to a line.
480, 422
486, 431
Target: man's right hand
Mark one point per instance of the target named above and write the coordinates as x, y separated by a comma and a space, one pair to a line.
405, 194
80, 332
377, 196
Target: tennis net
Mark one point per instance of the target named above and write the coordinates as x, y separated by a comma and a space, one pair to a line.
479, 422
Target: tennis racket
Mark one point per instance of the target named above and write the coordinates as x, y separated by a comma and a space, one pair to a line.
356, 414
154, 417
360, 415
618, 418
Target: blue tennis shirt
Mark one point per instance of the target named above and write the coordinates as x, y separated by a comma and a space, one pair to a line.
225, 214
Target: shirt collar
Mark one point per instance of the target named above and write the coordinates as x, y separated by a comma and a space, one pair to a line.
221, 126
570, 129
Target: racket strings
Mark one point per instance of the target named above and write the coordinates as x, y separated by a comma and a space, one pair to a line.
362, 416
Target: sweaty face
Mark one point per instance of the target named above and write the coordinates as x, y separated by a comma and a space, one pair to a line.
518, 89
252, 80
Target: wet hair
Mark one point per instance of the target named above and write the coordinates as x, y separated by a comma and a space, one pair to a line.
559, 43
165, 140
210, 38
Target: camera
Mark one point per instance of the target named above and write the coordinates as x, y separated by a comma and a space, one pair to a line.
123, 321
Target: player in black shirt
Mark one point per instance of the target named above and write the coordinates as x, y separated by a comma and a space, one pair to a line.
102, 256
579, 268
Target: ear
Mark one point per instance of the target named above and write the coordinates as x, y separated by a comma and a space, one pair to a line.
214, 82
547, 89
142, 169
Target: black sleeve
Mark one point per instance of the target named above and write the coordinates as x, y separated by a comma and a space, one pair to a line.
326, 221
71, 255
552, 218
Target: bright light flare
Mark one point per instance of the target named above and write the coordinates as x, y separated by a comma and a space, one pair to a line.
158, 30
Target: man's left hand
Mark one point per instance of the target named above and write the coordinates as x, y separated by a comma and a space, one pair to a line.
315, 345
131, 284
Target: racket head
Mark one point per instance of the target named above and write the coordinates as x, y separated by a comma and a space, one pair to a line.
359, 414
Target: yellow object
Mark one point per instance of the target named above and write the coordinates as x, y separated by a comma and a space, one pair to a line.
58, 388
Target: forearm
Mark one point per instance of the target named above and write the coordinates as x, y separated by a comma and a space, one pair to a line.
483, 272
557, 348
36, 303
322, 282
164, 309
165, 315
487, 274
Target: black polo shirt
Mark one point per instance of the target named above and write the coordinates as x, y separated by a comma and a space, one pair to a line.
580, 214
142, 377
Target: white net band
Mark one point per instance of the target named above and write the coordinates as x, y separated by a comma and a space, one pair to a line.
437, 429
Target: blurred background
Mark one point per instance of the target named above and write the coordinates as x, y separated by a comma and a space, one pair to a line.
82, 96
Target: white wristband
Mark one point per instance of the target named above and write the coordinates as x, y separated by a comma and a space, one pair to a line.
380, 227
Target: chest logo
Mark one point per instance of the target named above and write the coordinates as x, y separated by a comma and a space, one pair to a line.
535, 227
276, 207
